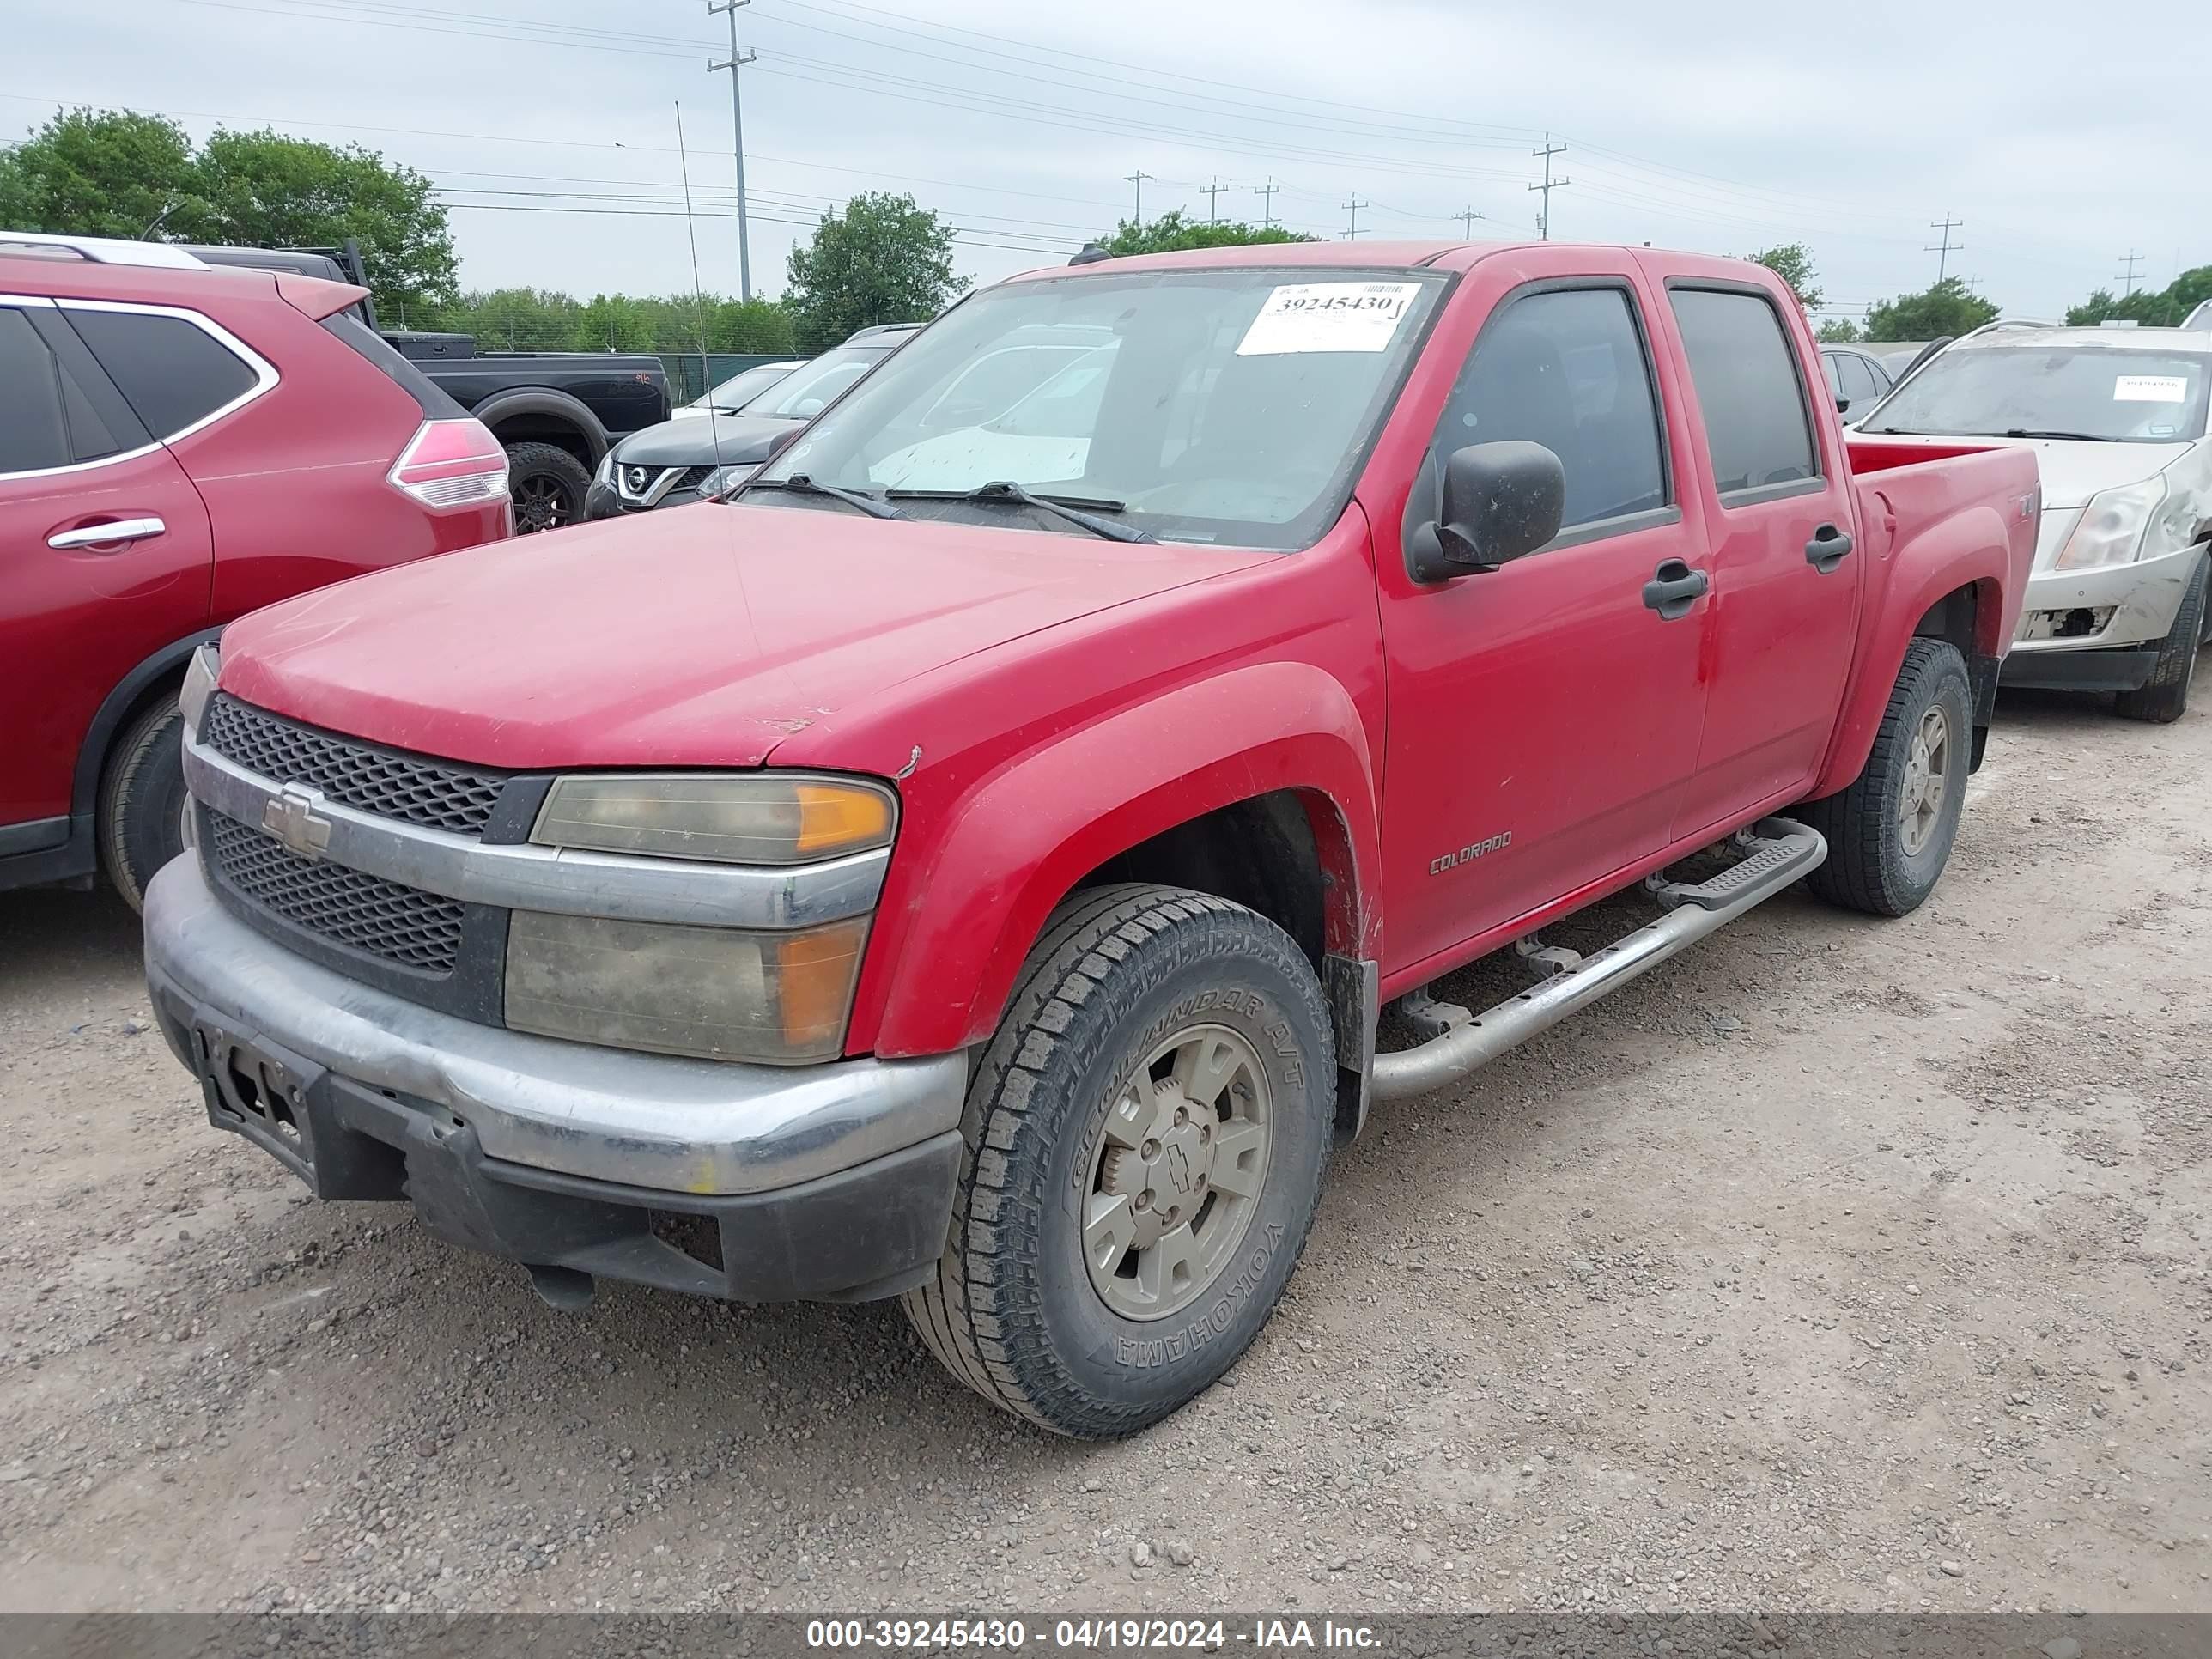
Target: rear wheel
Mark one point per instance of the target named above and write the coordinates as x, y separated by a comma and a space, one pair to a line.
1146, 1136
548, 485
1890, 834
2167, 693
142, 800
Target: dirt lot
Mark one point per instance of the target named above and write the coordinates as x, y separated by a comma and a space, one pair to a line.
1836, 1265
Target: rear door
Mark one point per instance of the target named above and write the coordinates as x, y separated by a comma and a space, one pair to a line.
1785, 576
1542, 716
105, 558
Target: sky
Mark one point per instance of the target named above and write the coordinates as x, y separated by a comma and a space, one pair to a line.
552, 129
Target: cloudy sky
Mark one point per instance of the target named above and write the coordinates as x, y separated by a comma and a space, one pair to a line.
550, 128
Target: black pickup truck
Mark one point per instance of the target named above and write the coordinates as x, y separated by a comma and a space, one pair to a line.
557, 413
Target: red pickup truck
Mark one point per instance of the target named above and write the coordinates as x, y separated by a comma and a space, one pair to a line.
972, 866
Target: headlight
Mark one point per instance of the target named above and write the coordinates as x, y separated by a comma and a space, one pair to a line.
761, 818
711, 993
605, 475
2112, 528
723, 479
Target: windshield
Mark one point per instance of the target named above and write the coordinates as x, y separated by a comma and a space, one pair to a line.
746, 383
811, 388
2089, 391
1230, 405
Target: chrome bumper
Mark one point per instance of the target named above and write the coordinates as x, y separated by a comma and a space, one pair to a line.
650, 1121
2144, 598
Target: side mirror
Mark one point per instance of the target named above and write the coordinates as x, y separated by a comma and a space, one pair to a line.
1501, 501
782, 441
1843, 405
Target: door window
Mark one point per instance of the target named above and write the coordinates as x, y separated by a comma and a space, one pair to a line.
175, 375
1566, 368
1858, 379
47, 419
1757, 426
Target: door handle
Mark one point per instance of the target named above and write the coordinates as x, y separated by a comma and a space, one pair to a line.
1826, 549
101, 535
1674, 588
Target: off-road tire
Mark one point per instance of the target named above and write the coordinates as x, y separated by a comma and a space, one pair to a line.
142, 800
1011, 1310
1868, 867
552, 465
2165, 694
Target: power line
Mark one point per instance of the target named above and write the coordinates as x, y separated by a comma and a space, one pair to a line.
1544, 217
2131, 260
1138, 178
1354, 207
1466, 216
737, 60
1213, 200
1943, 251
1266, 194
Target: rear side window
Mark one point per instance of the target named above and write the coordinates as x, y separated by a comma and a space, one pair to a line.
47, 417
431, 399
1567, 369
1756, 423
32, 433
174, 373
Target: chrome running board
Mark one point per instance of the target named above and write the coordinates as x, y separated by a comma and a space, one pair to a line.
1780, 850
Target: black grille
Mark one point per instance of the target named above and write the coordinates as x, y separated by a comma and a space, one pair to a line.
437, 794
401, 925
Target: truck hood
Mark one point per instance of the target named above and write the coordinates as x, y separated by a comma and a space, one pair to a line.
701, 637
2072, 470
709, 440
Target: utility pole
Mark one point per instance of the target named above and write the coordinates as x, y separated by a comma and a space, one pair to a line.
1266, 194
1466, 216
1354, 207
1550, 184
1213, 200
1138, 178
736, 61
1944, 250
2132, 275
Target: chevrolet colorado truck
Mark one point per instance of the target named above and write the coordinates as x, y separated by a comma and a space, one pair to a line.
972, 867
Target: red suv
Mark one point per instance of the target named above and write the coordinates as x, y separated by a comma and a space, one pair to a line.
180, 445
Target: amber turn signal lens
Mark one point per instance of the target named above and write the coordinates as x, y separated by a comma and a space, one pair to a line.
836, 817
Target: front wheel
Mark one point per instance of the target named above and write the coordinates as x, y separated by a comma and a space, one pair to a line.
1890, 834
2167, 695
142, 800
1146, 1137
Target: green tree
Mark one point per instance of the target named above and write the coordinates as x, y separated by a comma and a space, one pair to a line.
1171, 233
264, 190
2152, 308
882, 260
1793, 262
1839, 330
1947, 308
107, 172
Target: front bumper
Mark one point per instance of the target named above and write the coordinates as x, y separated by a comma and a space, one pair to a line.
2142, 598
831, 1181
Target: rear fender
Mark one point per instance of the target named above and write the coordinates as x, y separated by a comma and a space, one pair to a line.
549, 402
1968, 549
1020, 840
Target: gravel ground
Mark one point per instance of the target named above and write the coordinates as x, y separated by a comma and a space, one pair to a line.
1836, 1265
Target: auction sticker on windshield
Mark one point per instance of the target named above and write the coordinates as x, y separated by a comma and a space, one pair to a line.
1328, 317
2141, 388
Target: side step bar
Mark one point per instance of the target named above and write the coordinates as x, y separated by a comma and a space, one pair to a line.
1781, 851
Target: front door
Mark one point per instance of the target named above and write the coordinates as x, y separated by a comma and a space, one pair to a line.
105, 556
1544, 715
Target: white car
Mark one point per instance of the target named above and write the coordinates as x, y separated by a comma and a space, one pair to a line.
2118, 419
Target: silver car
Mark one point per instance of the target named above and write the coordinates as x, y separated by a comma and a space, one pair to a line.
2118, 419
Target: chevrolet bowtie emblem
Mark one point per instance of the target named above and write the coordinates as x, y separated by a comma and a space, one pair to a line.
292, 820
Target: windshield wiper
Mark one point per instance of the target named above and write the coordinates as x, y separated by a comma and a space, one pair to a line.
1068, 508
2085, 437
874, 506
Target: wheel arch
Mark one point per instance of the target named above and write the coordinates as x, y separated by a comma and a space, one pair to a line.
1272, 757
138, 688
546, 415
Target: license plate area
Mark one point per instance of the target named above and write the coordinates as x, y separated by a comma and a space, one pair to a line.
259, 1091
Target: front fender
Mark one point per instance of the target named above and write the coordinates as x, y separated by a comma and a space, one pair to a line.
1974, 547
965, 915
